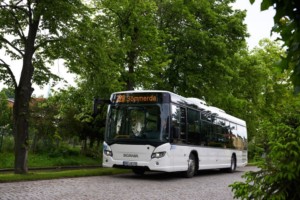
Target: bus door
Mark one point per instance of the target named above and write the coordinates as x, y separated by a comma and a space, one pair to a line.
178, 151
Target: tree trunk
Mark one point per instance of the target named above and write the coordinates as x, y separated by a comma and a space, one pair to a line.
23, 94
21, 111
84, 145
21, 114
132, 55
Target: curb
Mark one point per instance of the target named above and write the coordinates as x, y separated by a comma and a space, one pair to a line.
55, 168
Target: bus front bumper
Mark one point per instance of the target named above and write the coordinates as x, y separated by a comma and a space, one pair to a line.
155, 164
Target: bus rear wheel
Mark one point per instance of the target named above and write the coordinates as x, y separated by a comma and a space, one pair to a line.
232, 167
191, 166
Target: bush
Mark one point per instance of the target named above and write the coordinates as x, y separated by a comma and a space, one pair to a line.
7, 144
7, 160
255, 153
93, 153
279, 174
64, 151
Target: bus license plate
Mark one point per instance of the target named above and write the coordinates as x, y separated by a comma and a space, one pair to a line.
127, 163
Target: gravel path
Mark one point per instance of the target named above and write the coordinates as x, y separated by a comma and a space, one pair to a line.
208, 185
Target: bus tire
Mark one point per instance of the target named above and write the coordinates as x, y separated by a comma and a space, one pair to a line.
138, 171
190, 172
232, 167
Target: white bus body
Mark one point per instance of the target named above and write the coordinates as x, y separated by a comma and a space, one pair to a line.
162, 131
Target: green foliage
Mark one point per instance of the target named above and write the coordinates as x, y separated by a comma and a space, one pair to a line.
31, 31
75, 115
62, 157
287, 24
132, 57
6, 112
181, 46
63, 151
7, 160
9, 92
47, 21
43, 125
274, 126
5, 120
279, 174
7, 143
202, 37
255, 152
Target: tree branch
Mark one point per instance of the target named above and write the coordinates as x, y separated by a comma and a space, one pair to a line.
18, 2
18, 28
44, 43
13, 78
29, 12
11, 45
10, 9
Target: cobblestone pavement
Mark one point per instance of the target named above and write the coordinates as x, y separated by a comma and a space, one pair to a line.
210, 185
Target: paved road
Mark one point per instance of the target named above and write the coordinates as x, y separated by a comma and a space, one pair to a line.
208, 185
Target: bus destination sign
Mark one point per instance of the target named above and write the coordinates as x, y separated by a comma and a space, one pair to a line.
135, 98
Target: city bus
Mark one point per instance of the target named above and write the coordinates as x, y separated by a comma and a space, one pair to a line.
154, 130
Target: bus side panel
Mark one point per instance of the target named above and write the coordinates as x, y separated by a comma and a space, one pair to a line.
211, 158
179, 157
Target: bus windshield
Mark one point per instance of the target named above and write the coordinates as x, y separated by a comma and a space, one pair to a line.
136, 123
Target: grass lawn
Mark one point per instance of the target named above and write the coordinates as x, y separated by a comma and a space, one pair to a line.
45, 175
41, 160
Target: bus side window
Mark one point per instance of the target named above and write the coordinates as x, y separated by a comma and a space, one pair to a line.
175, 123
205, 133
178, 126
193, 127
183, 125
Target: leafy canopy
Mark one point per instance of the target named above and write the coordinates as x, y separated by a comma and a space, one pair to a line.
287, 24
53, 19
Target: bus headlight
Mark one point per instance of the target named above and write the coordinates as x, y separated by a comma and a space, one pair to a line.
158, 154
108, 153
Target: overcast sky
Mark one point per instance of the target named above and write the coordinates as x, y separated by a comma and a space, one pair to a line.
259, 25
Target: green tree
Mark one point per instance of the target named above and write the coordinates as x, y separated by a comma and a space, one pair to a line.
134, 51
287, 24
202, 37
279, 174
5, 117
30, 31
181, 46
277, 131
75, 117
5, 114
43, 124
9, 92
140, 52
255, 77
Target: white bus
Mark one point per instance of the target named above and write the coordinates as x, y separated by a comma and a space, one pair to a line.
153, 130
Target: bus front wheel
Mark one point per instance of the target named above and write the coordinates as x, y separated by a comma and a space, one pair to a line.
191, 166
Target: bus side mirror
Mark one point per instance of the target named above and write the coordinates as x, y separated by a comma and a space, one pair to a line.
97, 102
